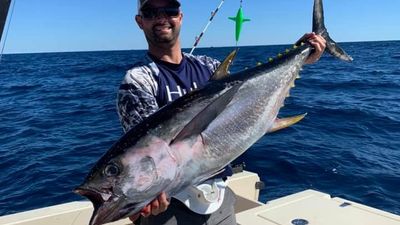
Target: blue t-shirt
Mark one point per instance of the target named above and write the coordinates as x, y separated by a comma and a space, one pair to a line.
176, 80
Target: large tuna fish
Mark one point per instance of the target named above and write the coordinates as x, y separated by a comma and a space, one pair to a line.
196, 136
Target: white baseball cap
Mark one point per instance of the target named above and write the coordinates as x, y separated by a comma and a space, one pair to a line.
142, 3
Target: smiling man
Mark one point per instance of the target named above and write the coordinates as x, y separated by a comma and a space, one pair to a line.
165, 74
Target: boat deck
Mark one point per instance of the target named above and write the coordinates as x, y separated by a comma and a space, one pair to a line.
313, 207
304, 208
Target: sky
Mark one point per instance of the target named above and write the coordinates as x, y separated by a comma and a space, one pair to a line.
92, 25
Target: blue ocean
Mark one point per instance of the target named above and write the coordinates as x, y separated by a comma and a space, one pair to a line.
58, 116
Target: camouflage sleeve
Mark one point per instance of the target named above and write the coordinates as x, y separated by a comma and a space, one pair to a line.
136, 97
211, 63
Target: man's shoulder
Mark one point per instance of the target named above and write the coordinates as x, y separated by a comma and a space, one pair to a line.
205, 60
142, 74
143, 67
201, 58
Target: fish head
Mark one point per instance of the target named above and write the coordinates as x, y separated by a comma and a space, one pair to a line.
122, 185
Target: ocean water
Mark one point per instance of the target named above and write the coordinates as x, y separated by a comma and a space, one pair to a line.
58, 116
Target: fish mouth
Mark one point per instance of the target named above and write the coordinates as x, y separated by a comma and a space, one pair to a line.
93, 195
107, 207
99, 200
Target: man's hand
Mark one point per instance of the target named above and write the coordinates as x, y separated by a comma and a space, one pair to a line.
157, 206
318, 42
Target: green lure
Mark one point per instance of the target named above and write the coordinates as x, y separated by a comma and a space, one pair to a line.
239, 20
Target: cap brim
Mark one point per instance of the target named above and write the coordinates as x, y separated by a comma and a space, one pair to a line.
174, 3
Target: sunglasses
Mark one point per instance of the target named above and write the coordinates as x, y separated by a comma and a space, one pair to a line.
151, 13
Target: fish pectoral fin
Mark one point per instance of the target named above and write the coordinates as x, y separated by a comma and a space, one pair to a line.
246, 20
222, 71
201, 121
283, 123
232, 18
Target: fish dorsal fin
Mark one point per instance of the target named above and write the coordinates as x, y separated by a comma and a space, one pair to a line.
223, 69
201, 121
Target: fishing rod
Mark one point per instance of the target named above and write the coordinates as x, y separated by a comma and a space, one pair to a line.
213, 13
239, 19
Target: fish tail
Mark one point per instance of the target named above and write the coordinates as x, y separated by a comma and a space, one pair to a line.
319, 28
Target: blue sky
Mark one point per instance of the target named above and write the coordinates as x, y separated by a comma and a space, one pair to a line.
85, 25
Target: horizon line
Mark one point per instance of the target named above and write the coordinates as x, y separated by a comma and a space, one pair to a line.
120, 50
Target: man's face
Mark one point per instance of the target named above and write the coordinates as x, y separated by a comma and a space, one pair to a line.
160, 22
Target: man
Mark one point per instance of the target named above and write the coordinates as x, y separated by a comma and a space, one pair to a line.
165, 75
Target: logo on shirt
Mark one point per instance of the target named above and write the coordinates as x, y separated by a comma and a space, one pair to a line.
178, 92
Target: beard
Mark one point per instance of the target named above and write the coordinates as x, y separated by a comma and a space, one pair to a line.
163, 33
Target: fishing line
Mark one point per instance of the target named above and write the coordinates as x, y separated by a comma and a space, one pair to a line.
213, 13
241, 3
8, 27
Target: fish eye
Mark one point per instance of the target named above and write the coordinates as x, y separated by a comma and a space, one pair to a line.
111, 170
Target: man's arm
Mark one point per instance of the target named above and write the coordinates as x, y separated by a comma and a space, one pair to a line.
157, 206
136, 99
